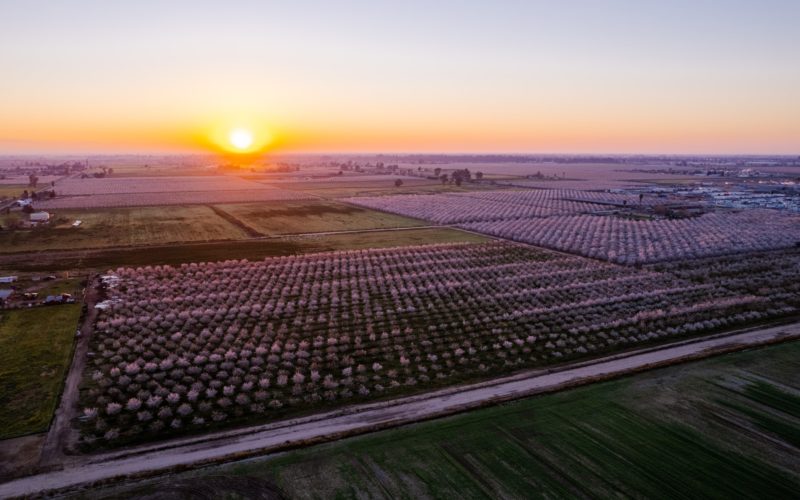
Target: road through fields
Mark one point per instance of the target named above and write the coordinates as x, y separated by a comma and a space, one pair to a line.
264, 439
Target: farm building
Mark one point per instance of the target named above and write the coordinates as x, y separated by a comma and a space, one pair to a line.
39, 217
4, 295
8, 279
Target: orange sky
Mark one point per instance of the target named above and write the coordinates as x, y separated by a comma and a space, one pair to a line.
528, 77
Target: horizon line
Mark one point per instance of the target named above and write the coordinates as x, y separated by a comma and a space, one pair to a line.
395, 153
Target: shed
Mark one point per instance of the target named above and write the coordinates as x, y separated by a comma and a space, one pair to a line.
40, 217
5, 294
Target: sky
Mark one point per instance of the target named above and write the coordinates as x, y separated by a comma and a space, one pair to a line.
632, 76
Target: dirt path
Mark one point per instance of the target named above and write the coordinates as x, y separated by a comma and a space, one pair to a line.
61, 437
248, 230
268, 438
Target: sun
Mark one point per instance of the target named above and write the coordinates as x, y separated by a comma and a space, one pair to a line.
241, 138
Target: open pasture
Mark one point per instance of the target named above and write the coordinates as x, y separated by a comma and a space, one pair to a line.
121, 227
204, 345
22, 180
35, 348
12, 190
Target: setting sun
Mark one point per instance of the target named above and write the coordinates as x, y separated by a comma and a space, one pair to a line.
241, 138
237, 136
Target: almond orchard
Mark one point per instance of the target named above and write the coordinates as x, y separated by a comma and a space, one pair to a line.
206, 345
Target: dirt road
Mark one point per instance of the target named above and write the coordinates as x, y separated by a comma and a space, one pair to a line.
60, 433
370, 417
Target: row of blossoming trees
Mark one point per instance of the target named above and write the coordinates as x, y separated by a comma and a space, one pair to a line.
492, 205
212, 343
773, 274
567, 220
628, 241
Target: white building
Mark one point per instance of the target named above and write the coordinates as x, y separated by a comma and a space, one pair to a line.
40, 217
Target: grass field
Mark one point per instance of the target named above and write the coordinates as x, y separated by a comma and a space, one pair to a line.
35, 346
65, 285
11, 190
246, 249
311, 217
121, 227
722, 428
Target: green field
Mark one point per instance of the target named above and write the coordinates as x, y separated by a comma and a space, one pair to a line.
121, 227
728, 427
102, 259
35, 347
312, 217
57, 287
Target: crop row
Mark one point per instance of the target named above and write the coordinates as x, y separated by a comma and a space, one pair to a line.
215, 342
774, 274
627, 241
491, 205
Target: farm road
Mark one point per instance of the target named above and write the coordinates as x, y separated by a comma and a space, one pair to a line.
268, 438
61, 435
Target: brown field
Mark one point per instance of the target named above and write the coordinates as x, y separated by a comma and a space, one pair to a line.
312, 217
11, 190
103, 259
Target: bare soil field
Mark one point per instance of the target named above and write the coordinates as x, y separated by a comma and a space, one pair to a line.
20, 456
113, 185
170, 198
311, 217
254, 249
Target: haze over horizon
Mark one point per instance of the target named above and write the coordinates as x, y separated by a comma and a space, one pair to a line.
617, 77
